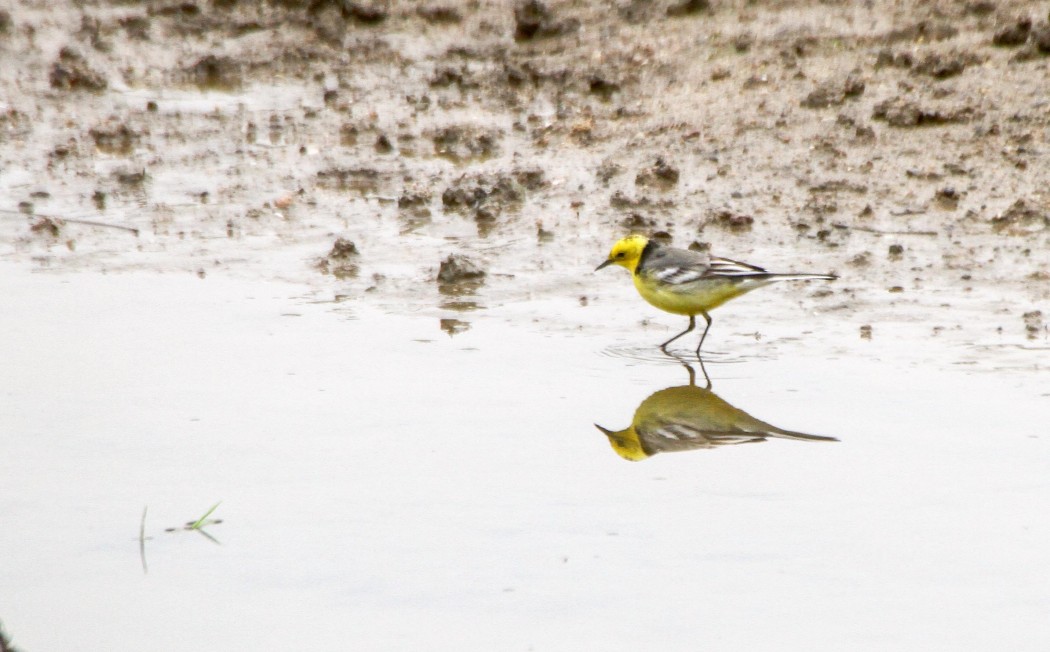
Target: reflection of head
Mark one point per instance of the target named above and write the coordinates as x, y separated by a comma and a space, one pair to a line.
625, 443
689, 418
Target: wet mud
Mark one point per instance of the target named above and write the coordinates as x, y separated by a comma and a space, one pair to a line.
251, 138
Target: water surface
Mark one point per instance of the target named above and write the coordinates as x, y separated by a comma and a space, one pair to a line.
385, 485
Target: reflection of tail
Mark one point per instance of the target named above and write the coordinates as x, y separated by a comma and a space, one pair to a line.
797, 436
688, 418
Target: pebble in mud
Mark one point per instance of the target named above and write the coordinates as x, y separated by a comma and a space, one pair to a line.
947, 198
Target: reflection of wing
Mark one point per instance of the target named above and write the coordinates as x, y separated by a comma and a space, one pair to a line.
689, 417
676, 436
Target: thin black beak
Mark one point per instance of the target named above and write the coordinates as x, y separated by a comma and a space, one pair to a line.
608, 262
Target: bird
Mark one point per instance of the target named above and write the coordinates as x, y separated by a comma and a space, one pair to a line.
689, 417
691, 283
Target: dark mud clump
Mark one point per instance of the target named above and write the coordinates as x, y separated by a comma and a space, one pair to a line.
485, 197
1022, 217
114, 138
440, 14
71, 72
534, 20
454, 326
459, 275
215, 73
50, 226
661, 175
362, 180
689, 8
1034, 324
462, 143
835, 91
415, 204
341, 260
923, 31
1013, 34
1041, 38
730, 221
904, 112
944, 65
457, 268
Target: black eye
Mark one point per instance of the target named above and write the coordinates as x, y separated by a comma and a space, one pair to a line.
620, 255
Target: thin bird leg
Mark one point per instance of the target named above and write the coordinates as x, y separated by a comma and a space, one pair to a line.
704, 369
692, 325
707, 317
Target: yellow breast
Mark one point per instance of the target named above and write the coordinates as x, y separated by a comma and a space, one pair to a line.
688, 298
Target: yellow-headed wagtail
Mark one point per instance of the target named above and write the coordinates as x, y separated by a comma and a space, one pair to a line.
687, 282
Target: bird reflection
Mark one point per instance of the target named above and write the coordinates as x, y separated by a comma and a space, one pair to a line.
689, 417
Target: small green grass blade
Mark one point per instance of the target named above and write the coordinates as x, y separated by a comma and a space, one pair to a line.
199, 523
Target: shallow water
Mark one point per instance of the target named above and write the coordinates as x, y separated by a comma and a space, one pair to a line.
385, 485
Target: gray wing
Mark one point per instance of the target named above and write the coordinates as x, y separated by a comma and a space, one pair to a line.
681, 266
728, 267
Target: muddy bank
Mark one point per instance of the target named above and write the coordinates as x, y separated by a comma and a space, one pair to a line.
902, 149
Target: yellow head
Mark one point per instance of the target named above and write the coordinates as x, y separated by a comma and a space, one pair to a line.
627, 252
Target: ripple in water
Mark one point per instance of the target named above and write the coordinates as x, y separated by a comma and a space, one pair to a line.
654, 355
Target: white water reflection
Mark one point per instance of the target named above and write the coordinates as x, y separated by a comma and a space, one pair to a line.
386, 486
